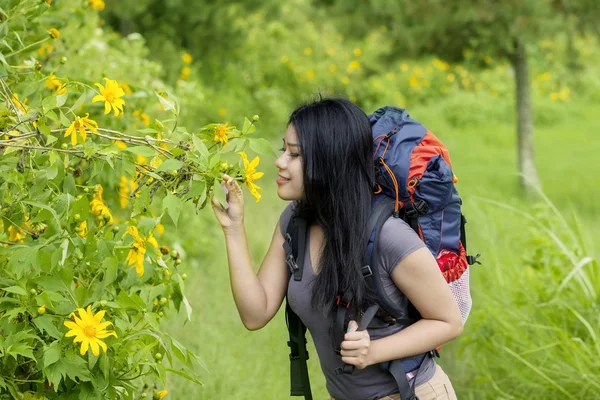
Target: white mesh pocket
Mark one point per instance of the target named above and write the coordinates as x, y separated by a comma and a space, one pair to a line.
462, 294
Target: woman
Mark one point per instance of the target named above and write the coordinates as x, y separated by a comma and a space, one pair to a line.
326, 171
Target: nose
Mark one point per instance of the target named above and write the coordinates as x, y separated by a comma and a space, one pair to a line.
280, 161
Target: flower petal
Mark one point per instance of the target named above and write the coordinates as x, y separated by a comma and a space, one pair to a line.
84, 347
106, 108
98, 97
95, 348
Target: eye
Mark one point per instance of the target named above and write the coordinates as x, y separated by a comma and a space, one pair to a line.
290, 154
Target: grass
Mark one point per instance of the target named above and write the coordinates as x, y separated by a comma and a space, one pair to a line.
533, 332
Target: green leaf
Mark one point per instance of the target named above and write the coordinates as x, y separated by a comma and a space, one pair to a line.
51, 353
141, 151
45, 323
110, 267
219, 193
79, 102
42, 127
15, 290
261, 146
147, 131
198, 187
172, 204
249, 127
50, 139
49, 102
40, 205
64, 120
200, 147
169, 165
61, 99
168, 105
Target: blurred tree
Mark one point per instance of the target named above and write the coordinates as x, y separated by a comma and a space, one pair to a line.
496, 29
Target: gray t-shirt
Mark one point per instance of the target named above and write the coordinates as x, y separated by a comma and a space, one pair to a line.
397, 240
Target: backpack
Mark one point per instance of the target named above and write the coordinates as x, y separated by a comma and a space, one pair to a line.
415, 182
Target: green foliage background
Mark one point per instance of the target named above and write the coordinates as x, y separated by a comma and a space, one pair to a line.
533, 332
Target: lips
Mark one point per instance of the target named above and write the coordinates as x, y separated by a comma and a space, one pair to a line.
283, 177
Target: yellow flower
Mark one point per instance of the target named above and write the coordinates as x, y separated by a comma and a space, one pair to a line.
439, 64
310, 74
159, 395
15, 234
187, 58
284, 59
543, 77
88, 330
80, 124
121, 144
83, 229
413, 81
96, 4
160, 228
55, 84
42, 309
357, 52
221, 132
111, 96
125, 87
21, 105
98, 208
126, 187
185, 73
251, 174
137, 253
354, 65
54, 33
450, 77
145, 118
404, 67
332, 68
141, 159
44, 49
222, 112
308, 51
345, 80
49, 2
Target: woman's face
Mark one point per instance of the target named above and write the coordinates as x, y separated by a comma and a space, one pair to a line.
290, 184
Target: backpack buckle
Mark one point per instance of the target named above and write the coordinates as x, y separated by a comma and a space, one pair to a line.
340, 303
417, 208
366, 271
473, 259
291, 263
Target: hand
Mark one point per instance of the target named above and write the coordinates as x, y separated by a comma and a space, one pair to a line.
355, 347
231, 217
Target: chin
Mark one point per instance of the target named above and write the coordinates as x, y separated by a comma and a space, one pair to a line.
286, 196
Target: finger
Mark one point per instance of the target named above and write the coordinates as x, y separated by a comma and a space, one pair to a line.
352, 326
354, 336
350, 345
217, 206
351, 360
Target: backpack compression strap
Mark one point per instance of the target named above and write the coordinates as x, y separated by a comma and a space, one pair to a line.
294, 246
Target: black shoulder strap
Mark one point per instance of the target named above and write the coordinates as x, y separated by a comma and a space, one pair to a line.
294, 246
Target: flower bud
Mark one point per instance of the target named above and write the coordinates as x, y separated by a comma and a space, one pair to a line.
158, 356
255, 118
174, 254
103, 303
77, 217
64, 146
33, 291
42, 309
63, 60
115, 229
184, 276
163, 301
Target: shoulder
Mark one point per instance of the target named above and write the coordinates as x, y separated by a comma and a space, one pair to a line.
396, 241
285, 217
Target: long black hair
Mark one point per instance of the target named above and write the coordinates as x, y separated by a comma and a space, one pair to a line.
337, 160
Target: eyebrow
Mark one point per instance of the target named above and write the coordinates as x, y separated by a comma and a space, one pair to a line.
291, 144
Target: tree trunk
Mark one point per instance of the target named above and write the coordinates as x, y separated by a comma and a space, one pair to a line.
529, 177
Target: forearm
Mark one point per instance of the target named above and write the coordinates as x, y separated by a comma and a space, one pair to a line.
248, 293
424, 335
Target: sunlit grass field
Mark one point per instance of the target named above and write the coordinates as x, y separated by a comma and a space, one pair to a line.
527, 337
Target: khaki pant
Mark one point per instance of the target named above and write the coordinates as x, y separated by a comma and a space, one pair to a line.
437, 388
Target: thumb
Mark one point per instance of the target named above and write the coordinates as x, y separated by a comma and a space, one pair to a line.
233, 188
352, 326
